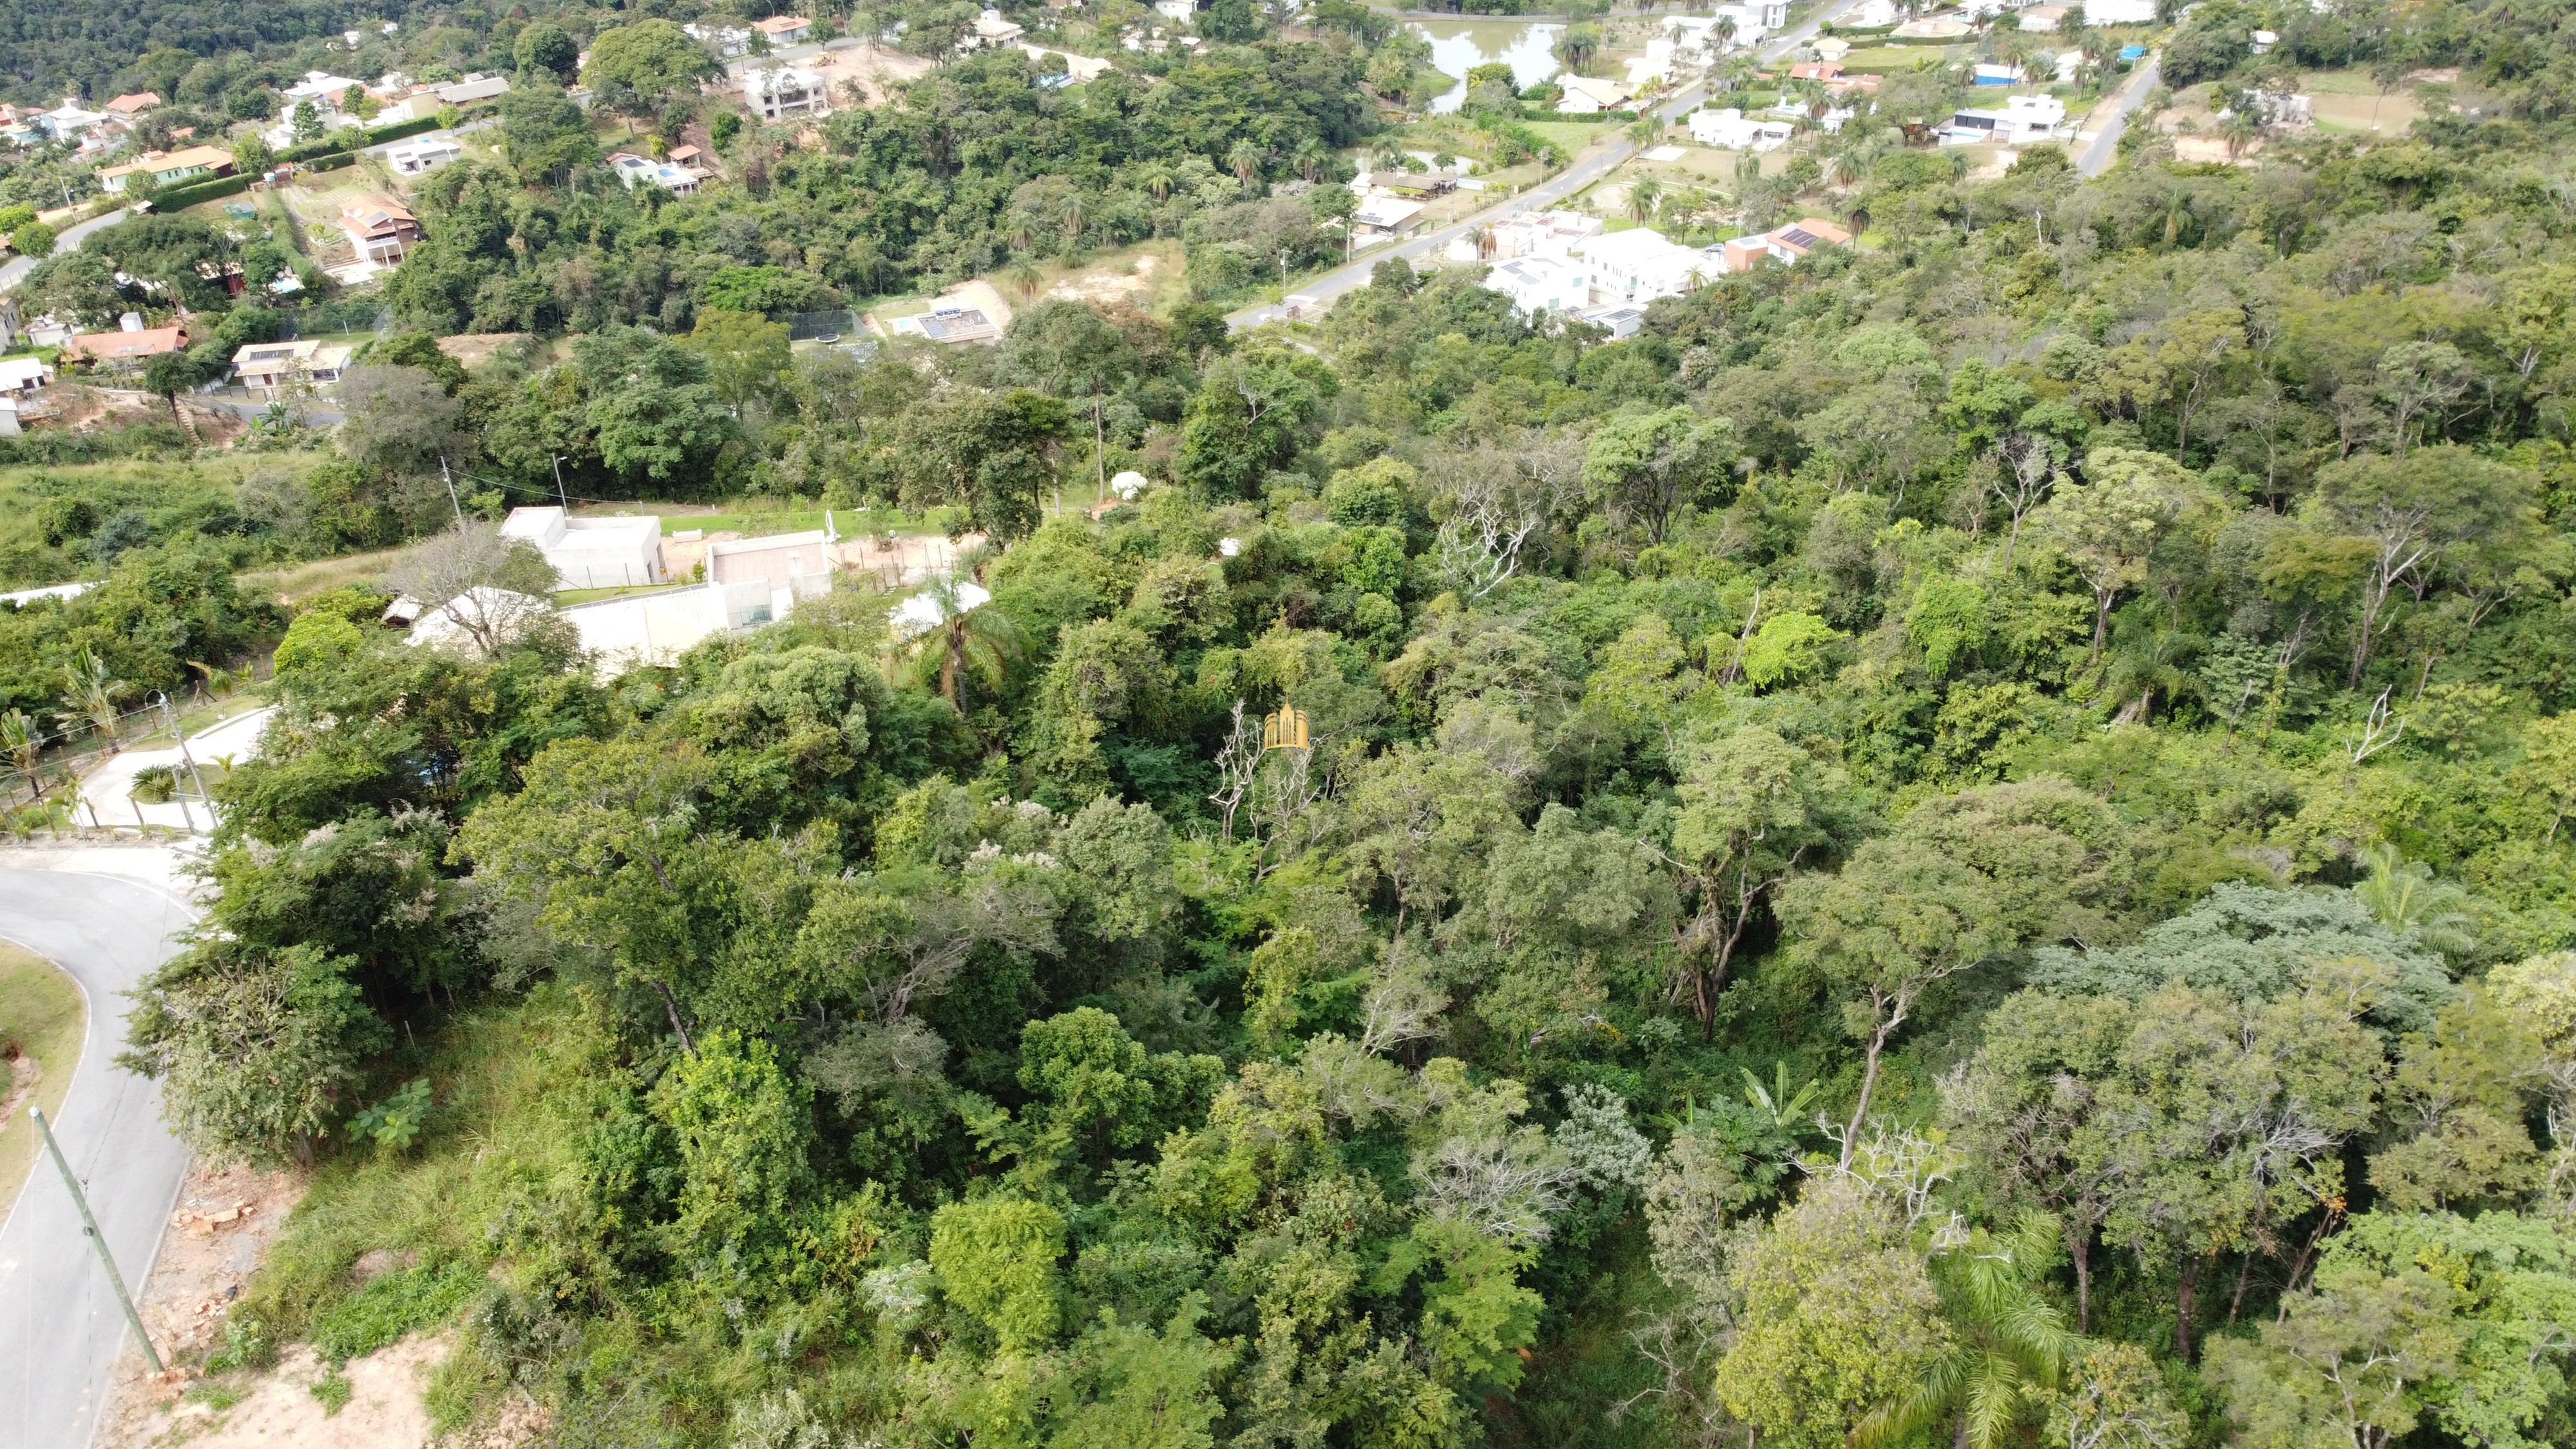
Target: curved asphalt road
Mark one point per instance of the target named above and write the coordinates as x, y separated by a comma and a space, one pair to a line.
1585, 170
60, 1329
72, 236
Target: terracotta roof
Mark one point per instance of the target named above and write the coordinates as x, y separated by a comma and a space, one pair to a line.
108, 346
135, 104
776, 24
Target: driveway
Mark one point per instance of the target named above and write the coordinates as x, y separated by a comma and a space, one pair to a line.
1591, 166
60, 1328
72, 236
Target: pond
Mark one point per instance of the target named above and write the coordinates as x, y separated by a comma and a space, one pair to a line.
1458, 46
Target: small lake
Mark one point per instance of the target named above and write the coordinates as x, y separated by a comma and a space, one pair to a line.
1458, 46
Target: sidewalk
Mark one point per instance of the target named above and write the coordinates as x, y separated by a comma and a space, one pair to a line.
107, 794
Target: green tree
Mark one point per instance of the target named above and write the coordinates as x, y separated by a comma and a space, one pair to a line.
996, 1259
1755, 811
638, 68
2108, 527
255, 1047
32, 239
546, 47
1645, 468
745, 354
2414, 513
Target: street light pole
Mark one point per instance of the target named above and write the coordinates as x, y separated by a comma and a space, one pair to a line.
89, 1226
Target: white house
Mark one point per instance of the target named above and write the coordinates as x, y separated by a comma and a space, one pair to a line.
1622, 322
2119, 12
1764, 15
779, 93
1542, 284
23, 374
2020, 120
1544, 234
785, 29
1869, 15
991, 27
320, 87
592, 553
68, 120
727, 41
422, 154
1179, 12
1585, 96
786, 566
475, 87
633, 171
1637, 266
1384, 216
272, 365
1733, 130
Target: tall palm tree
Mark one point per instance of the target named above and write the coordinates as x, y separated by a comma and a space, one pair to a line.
19, 737
1157, 179
968, 636
93, 694
1245, 161
1644, 195
2009, 1344
1077, 215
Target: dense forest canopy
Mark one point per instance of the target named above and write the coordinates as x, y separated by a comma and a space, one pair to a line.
1967, 841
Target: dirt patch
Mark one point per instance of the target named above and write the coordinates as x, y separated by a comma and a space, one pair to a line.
224, 1222
280, 1411
476, 348
868, 73
1135, 285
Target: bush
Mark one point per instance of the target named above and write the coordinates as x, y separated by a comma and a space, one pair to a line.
382, 1312
190, 193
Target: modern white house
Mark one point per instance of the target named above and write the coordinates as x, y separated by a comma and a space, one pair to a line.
633, 171
729, 42
2021, 119
1634, 267
1539, 285
1731, 129
272, 365
785, 92
1869, 15
23, 374
592, 553
786, 567
992, 28
1544, 234
422, 154
2119, 12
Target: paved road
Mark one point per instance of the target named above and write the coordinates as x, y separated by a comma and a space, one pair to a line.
71, 237
1587, 168
60, 1330
2097, 158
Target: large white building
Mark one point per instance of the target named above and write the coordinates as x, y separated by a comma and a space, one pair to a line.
785, 92
1540, 285
2119, 12
1635, 267
592, 553
1544, 234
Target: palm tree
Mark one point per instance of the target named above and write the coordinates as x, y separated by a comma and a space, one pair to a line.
1023, 275
19, 737
2009, 1344
2408, 900
1245, 160
968, 635
1644, 194
93, 694
1157, 180
1310, 159
1077, 215
1725, 30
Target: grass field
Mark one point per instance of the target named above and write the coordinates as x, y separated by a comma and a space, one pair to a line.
41, 1010
302, 581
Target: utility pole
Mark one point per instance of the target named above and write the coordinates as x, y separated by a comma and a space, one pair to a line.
89, 1226
451, 490
559, 488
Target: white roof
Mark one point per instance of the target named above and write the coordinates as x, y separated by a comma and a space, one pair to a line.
1386, 212
19, 371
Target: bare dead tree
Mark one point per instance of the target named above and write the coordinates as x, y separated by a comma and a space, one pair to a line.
2030, 469
1235, 766
491, 587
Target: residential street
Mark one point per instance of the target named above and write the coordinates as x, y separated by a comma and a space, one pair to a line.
71, 237
60, 1329
2097, 157
1588, 168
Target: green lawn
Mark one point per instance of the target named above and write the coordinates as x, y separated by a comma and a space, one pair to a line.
565, 598
761, 523
40, 1010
